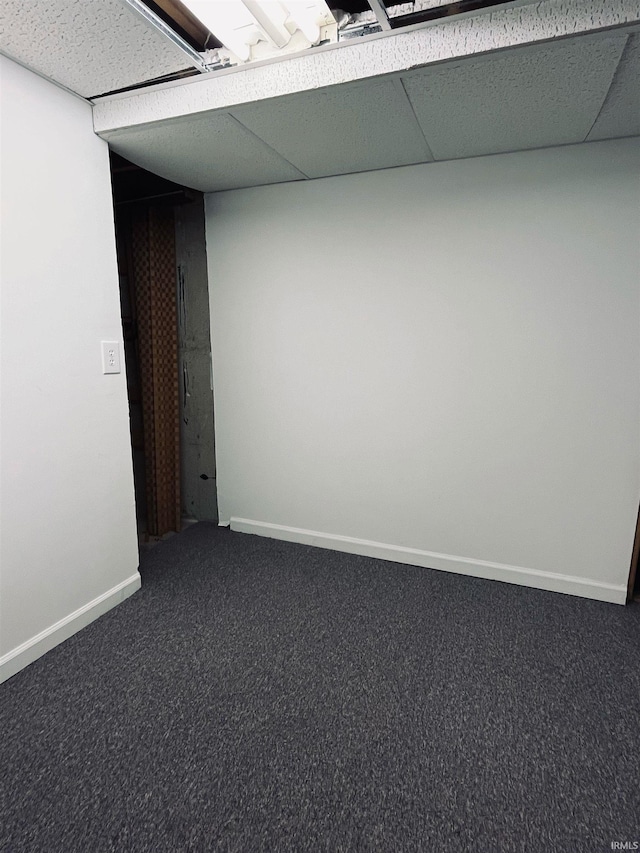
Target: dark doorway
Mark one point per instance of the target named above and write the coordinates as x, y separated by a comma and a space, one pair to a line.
166, 355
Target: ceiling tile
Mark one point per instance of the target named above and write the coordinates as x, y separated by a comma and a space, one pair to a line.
209, 153
530, 97
340, 130
620, 115
88, 46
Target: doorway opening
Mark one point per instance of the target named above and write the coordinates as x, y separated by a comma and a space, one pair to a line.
160, 241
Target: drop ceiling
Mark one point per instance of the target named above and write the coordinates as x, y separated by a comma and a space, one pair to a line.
464, 88
529, 97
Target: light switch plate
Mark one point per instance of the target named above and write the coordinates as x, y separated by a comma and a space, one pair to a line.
110, 357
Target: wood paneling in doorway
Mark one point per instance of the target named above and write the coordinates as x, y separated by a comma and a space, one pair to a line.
154, 272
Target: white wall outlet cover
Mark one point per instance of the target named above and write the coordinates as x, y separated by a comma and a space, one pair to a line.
110, 357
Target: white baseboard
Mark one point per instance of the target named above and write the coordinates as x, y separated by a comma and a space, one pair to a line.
583, 587
35, 647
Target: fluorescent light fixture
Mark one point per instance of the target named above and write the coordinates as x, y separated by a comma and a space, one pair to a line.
281, 27
309, 17
271, 17
228, 20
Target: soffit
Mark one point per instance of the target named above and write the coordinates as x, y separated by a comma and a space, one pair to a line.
527, 97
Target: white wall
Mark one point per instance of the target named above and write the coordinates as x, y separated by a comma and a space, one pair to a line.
442, 358
68, 537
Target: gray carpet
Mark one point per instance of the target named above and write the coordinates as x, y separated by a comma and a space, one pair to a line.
258, 695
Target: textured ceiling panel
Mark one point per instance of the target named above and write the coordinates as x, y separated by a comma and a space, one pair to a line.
526, 98
344, 129
620, 115
206, 153
89, 46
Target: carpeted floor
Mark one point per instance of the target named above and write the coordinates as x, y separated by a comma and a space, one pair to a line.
258, 695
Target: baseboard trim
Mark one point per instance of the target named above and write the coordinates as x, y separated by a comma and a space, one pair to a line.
35, 647
568, 584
